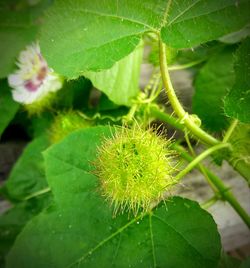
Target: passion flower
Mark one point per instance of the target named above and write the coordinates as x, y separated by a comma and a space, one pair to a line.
34, 80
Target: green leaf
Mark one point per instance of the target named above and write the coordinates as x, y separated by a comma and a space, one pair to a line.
199, 54
8, 107
236, 37
240, 156
39, 125
105, 104
74, 94
190, 22
245, 263
13, 221
121, 82
19, 24
92, 35
16, 31
237, 102
212, 83
82, 232
28, 174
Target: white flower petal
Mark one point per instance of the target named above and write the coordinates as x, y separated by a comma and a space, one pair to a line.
34, 80
15, 80
20, 95
55, 82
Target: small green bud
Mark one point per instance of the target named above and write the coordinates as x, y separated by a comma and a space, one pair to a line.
195, 118
135, 168
65, 123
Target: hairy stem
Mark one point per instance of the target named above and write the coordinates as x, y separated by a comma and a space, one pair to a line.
203, 171
230, 130
224, 191
177, 107
199, 158
185, 66
156, 112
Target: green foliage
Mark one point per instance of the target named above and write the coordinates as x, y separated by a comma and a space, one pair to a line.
81, 232
39, 126
93, 171
80, 19
13, 221
240, 155
65, 123
74, 94
8, 107
154, 54
121, 82
237, 102
245, 263
28, 175
236, 37
199, 54
212, 83
19, 23
190, 23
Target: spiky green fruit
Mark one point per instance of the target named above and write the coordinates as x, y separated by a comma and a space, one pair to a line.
65, 123
135, 168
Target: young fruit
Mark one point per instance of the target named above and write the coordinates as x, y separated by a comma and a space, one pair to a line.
135, 168
65, 123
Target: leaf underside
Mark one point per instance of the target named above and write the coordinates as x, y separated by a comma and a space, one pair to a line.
121, 82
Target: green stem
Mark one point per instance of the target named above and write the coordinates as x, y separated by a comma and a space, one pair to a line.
224, 191
156, 112
129, 117
43, 191
189, 143
207, 204
177, 107
184, 66
230, 130
200, 157
203, 171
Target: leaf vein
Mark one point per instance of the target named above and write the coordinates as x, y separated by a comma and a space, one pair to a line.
200, 254
183, 12
104, 241
198, 16
152, 239
122, 18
